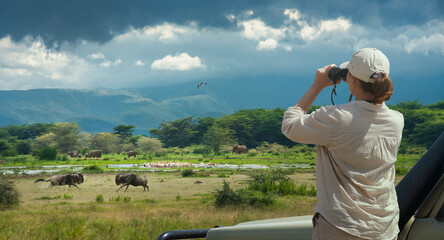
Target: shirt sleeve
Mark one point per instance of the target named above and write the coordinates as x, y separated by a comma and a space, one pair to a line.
301, 127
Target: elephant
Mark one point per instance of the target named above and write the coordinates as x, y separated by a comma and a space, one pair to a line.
94, 154
74, 154
132, 154
239, 149
131, 179
70, 179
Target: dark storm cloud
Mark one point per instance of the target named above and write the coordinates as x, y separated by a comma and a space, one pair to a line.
67, 20
60, 20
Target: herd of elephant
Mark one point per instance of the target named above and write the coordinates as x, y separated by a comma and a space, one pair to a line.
72, 179
96, 154
237, 149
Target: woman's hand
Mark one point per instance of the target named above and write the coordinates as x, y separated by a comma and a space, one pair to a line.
321, 79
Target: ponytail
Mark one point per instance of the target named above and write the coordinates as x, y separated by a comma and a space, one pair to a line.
381, 89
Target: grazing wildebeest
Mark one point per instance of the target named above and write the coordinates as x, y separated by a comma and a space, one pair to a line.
70, 179
132, 154
131, 179
239, 149
94, 154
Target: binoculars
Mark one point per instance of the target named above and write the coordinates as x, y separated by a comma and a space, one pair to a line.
337, 74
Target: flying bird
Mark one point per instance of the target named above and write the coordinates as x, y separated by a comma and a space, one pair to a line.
201, 84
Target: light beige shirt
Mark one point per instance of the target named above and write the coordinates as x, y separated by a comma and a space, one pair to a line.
357, 147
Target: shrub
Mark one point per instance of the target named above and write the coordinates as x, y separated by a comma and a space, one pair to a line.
62, 158
276, 181
402, 170
47, 153
66, 196
93, 169
23, 147
202, 149
99, 198
10, 152
243, 197
48, 197
222, 175
188, 172
303, 191
9, 196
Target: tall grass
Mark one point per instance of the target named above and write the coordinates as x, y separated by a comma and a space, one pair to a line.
176, 203
9, 196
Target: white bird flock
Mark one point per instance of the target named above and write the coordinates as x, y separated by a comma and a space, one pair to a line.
169, 164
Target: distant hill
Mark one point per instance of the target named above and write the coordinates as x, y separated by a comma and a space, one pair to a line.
102, 109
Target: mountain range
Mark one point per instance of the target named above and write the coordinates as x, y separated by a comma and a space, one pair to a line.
99, 110
102, 109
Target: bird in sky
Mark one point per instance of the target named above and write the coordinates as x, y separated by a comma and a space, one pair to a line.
201, 84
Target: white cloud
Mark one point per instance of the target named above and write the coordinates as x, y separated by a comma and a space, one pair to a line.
14, 72
181, 62
30, 64
258, 30
295, 28
269, 44
95, 56
108, 63
433, 43
165, 33
139, 63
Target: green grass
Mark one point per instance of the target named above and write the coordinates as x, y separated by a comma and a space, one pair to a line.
98, 212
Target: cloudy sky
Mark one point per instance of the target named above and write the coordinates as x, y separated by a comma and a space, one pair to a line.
130, 44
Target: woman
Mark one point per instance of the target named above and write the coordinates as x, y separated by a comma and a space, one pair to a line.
357, 145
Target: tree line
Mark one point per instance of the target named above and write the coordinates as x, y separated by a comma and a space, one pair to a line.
250, 127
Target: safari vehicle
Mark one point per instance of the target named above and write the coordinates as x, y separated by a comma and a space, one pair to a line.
420, 198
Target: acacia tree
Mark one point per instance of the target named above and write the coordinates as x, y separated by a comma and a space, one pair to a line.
150, 145
45, 140
125, 131
105, 141
177, 133
217, 136
66, 136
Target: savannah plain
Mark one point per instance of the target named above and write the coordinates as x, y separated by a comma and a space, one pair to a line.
97, 211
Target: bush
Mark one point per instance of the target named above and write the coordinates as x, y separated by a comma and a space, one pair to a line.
23, 147
66, 196
62, 158
276, 181
99, 198
47, 153
120, 199
188, 172
9, 196
202, 149
92, 169
10, 152
243, 197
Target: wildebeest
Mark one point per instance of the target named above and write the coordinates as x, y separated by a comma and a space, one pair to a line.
132, 154
238, 149
131, 179
70, 179
94, 154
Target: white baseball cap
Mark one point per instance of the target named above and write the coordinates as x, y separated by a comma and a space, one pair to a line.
365, 62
